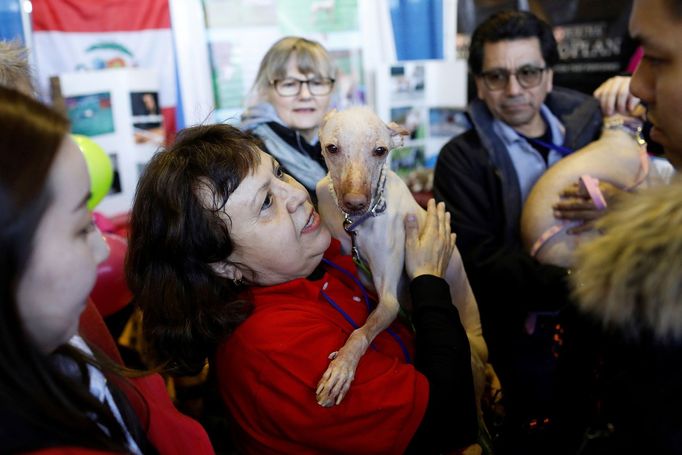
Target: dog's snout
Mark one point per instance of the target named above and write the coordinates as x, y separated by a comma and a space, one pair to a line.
355, 202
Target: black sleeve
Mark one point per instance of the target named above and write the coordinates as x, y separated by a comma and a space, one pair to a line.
465, 180
444, 357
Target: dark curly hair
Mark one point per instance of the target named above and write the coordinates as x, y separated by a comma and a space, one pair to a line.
511, 25
176, 235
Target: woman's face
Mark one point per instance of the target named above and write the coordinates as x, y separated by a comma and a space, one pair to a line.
274, 225
67, 247
302, 112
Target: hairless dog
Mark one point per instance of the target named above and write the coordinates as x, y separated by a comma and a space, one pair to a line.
364, 204
618, 157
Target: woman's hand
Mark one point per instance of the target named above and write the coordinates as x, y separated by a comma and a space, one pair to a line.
615, 98
428, 252
577, 205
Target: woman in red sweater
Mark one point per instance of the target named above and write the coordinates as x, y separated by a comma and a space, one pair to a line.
229, 260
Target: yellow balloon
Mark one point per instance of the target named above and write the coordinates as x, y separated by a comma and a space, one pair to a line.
99, 166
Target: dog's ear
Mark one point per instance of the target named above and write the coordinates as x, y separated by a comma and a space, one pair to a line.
326, 118
397, 134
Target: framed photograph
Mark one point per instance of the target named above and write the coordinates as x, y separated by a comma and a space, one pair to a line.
90, 115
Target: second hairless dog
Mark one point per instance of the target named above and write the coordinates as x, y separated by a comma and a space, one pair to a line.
361, 195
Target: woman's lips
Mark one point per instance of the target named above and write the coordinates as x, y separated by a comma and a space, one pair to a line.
312, 224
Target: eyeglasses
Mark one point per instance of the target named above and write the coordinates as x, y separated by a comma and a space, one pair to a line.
292, 87
528, 76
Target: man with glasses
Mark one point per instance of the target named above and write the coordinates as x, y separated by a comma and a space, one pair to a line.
521, 125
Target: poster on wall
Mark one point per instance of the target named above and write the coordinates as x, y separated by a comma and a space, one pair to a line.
119, 110
593, 40
241, 31
82, 36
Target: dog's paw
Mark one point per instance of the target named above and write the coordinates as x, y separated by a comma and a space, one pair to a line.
340, 373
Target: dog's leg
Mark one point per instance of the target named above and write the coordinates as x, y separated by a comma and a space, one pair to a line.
386, 237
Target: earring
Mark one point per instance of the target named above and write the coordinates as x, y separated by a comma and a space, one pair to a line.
238, 282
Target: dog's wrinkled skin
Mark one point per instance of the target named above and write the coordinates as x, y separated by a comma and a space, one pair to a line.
613, 158
355, 144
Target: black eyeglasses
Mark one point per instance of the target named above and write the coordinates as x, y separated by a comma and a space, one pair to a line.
292, 87
528, 76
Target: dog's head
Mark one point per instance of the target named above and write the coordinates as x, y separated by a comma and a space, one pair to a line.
355, 145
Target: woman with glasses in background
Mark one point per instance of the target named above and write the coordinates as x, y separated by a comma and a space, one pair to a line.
292, 92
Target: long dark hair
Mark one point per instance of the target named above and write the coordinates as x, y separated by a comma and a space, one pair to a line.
178, 229
40, 406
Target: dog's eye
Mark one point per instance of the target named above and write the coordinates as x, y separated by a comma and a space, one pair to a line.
331, 148
380, 151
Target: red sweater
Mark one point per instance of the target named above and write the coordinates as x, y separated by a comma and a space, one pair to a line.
269, 369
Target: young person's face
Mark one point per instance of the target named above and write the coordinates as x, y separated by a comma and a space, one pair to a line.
515, 105
274, 225
67, 247
658, 78
302, 112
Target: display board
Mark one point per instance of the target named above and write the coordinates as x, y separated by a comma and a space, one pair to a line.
118, 109
428, 99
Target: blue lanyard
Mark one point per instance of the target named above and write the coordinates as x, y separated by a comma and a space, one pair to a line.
563, 151
365, 296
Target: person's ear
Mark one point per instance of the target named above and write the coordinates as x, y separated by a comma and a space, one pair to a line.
479, 87
550, 80
227, 270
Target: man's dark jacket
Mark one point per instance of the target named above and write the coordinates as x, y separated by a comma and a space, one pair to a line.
475, 177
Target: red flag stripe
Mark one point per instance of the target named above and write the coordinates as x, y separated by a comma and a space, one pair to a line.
100, 15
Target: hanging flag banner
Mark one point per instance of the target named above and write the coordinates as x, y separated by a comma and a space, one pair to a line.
86, 35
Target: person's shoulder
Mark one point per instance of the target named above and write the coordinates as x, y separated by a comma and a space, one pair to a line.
562, 98
468, 139
460, 147
568, 93
284, 315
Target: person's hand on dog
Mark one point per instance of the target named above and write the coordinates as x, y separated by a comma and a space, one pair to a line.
428, 252
575, 204
615, 98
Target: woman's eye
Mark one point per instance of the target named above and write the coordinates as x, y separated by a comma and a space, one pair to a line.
651, 60
267, 202
87, 229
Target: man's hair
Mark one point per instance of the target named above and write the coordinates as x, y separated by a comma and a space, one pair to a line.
511, 25
15, 71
